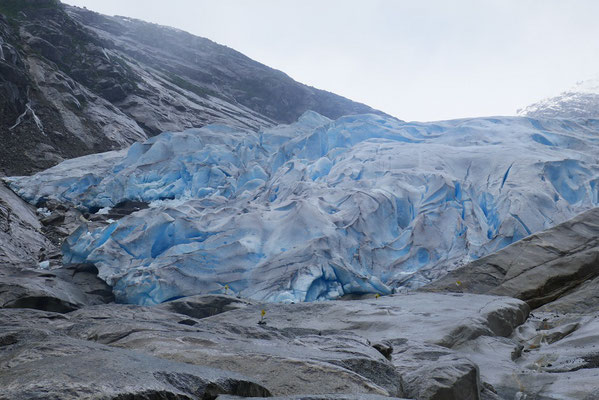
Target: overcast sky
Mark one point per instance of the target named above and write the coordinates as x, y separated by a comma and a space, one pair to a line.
417, 60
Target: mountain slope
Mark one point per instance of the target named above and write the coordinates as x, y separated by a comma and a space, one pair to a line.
74, 82
580, 101
214, 69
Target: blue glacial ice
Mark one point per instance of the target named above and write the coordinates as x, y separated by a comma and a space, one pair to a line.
319, 209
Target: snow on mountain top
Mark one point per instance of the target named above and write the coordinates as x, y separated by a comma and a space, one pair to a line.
580, 101
590, 86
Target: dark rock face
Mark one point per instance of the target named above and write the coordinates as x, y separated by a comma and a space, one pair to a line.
204, 306
207, 68
74, 82
21, 239
48, 116
60, 290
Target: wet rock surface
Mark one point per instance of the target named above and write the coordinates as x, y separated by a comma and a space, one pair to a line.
297, 357
21, 239
553, 354
36, 363
416, 345
442, 319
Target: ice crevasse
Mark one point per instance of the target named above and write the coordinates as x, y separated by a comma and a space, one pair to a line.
319, 209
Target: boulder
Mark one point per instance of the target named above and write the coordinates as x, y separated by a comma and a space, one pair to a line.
60, 290
433, 372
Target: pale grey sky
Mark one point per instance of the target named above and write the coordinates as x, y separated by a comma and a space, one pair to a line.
417, 60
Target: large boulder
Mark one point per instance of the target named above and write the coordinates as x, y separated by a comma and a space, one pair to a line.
434, 372
60, 290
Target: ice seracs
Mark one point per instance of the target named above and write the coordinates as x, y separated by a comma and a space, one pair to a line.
319, 209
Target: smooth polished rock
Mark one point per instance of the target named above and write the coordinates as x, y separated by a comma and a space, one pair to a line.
41, 364
538, 269
442, 319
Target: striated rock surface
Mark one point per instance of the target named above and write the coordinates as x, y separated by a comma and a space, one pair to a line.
441, 319
286, 361
301, 351
21, 238
37, 363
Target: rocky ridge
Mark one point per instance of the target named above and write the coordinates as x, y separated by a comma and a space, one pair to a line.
74, 82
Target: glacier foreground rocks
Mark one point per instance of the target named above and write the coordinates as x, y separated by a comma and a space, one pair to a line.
554, 354
295, 353
320, 209
549, 266
420, 345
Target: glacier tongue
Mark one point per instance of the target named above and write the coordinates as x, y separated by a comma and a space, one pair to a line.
319, 208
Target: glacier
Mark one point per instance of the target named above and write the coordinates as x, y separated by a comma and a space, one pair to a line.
319, 209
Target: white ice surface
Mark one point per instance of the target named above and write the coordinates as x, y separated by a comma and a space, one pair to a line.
320, 208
